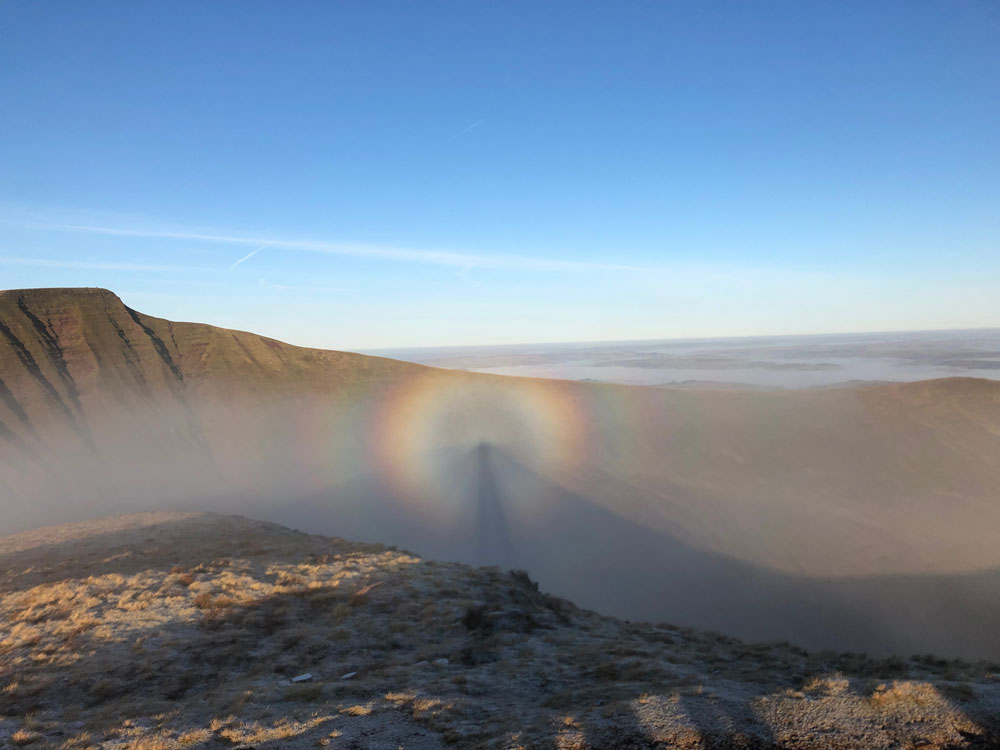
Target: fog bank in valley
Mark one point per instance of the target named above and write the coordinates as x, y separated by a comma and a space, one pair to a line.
615, 533
761, 362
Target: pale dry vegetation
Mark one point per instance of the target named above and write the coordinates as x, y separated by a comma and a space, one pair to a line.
186, 631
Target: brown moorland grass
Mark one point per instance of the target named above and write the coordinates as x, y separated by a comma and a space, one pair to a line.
187, 631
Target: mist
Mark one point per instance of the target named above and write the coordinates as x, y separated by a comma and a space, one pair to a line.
641, 504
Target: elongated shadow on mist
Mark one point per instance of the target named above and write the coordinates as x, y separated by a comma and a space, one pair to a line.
515, 517
492, 529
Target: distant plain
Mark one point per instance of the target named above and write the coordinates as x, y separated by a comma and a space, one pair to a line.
761, 362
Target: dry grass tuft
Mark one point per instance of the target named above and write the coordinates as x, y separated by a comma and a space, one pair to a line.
23, 737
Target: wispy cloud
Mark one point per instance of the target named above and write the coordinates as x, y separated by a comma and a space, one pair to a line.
466, 129
376, 252
246, 257
93, 265
299, 287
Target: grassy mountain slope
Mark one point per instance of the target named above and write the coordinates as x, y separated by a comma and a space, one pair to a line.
71, 353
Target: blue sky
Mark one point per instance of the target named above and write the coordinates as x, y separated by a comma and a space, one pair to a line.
467, 173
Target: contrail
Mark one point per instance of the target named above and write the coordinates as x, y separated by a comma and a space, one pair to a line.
360, 250
476, 124
248, 256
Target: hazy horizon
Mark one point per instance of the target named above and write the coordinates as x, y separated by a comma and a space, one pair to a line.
467, 346
812, 361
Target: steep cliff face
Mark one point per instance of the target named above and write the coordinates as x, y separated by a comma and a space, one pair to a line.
69, 355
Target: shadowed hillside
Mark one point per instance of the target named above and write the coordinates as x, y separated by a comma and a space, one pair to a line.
861, 518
